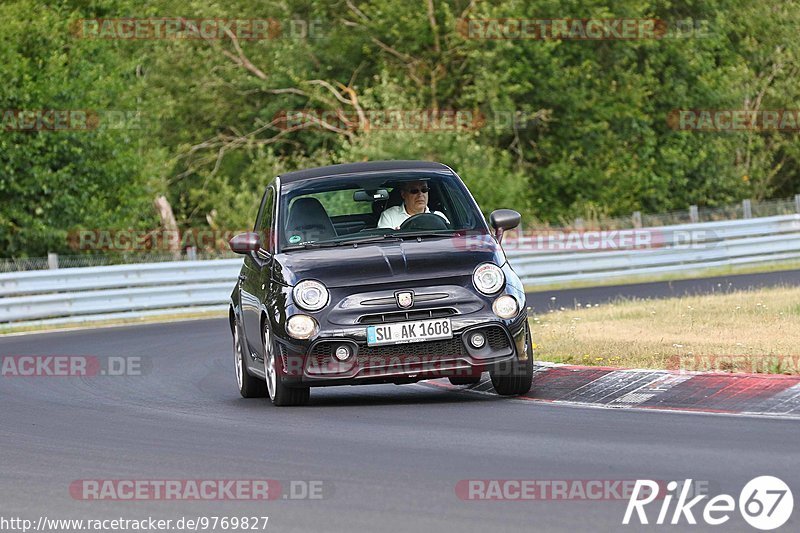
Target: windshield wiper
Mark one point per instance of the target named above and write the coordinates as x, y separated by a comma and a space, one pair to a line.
371, 238
424, 234
309, 245
345, 242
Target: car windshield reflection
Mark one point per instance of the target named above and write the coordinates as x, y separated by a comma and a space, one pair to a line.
371, 209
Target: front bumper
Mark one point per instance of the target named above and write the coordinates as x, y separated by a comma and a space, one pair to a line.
313, 363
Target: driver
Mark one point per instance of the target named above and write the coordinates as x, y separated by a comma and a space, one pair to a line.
415, 201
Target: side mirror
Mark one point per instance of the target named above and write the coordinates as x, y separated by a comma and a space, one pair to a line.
245, 243
504, 220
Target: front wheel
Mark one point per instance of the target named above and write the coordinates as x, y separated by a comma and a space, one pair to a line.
516, 378
279, 393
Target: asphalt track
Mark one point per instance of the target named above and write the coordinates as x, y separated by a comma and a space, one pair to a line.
542, 301
389, 456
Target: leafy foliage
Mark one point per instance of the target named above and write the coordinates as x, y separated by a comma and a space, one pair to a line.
566, 127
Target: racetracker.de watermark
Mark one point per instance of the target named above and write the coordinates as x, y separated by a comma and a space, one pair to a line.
199, 489
419, 120
561, 489
588, 29
433, 120
180, 28
558, 240
23, 366
69, 120
754, 364
136, 240
734, 120
410, 364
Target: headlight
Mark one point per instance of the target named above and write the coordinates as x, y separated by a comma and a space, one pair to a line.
505, 306
301, 326
310, 295
488, 278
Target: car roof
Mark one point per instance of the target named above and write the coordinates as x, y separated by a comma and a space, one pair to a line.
353, 168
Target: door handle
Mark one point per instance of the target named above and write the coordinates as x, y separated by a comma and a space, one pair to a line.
242, 277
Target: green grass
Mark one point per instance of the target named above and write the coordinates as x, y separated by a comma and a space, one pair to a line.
745, 331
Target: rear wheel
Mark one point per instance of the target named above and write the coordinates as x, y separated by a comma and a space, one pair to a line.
279, 393
249, 386
516, 378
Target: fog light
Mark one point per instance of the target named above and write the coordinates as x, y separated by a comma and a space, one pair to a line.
505, 306
342, 353
301, 326
477, 340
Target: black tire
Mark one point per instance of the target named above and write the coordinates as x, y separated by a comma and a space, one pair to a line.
249, 386
465, 380
516, 378
279, 394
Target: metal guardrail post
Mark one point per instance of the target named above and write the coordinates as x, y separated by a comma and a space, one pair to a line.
637, 219
52, 261
797, 202
747, 209
693, 215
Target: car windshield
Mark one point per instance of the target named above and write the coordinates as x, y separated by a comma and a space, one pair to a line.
374, 207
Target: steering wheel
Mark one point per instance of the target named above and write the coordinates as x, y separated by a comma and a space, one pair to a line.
424, 221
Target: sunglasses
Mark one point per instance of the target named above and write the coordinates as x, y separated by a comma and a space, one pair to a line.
417, 191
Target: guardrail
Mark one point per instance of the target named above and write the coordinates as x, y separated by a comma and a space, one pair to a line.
78, 294
69, 294
540, 259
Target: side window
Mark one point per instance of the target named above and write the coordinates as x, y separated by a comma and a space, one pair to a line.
264, 221
454, 209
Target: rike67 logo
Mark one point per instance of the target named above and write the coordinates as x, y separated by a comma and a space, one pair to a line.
765, 503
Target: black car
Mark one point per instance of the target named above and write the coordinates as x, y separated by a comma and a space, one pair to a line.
378, 272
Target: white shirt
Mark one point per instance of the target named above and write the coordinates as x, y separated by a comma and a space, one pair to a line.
394, 216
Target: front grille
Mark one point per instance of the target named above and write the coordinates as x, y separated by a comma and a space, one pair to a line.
393, 354
401, 316
371, 356
392, 300
283, 354
498, 340
321, 354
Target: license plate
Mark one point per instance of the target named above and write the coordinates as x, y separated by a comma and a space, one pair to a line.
404, 332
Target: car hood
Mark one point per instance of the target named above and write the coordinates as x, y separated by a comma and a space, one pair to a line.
389, 261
